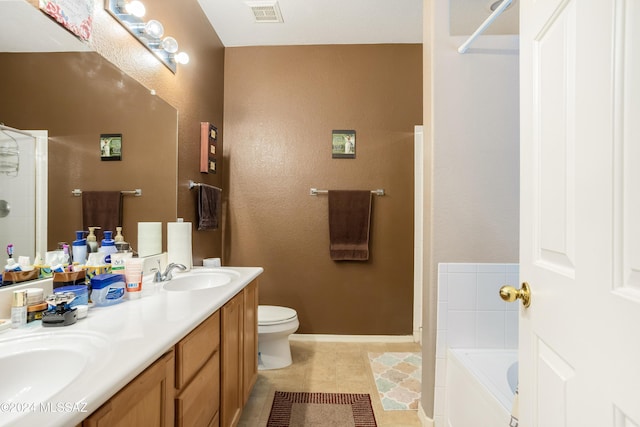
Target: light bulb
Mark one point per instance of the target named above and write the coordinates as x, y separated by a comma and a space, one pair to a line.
170, 44
135, 8
154, 29
182, 58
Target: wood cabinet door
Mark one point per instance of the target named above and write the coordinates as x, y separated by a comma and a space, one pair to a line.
146, 401
250, 368
198, 404
231, 394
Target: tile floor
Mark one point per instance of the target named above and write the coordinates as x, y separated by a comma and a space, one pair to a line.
326, 367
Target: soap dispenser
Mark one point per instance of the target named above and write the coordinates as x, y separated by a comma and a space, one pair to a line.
121, 245
79, 248
92, 241
108, 246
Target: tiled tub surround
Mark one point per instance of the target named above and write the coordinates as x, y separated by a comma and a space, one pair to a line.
472, 315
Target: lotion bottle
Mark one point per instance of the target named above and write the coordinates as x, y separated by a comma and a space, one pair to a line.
108, 246
79, 247
19, 309
92, 241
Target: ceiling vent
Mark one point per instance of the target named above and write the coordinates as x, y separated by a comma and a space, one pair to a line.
265, 11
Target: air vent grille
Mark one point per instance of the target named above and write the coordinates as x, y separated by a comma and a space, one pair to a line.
265, 11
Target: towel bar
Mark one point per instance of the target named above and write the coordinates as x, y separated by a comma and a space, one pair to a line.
315, 192
201, 184
137, 192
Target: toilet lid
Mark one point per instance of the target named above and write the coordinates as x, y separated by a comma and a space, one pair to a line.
271, 314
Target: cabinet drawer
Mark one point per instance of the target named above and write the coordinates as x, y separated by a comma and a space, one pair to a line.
196, 348
199, 402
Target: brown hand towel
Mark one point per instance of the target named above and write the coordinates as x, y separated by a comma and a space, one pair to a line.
209, 207
349, 220
101, 209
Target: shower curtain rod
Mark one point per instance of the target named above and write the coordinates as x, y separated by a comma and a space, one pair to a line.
505, 4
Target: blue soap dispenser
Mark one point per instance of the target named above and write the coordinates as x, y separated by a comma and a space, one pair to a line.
108, 246
79, 248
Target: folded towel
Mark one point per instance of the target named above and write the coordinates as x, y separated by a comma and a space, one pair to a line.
101, 209
209, 207
349, 220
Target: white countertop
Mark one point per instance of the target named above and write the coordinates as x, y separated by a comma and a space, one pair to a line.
138, 332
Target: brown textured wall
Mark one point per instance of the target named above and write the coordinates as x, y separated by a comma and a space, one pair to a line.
196, 91
281, 104
76, 97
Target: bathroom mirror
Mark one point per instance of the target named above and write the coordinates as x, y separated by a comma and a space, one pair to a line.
76, 96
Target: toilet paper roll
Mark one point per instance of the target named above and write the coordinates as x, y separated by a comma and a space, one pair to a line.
149, 238
179, 243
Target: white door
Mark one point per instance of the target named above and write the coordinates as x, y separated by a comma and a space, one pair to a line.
580, 213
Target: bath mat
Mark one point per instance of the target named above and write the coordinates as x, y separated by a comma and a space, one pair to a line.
298, 409
397, 376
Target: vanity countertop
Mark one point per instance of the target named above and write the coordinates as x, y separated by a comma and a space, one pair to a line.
137, 332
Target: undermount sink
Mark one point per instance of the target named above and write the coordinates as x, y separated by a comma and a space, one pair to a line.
200, 279
35, 367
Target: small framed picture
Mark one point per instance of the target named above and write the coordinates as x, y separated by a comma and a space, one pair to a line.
111, 146
343, 144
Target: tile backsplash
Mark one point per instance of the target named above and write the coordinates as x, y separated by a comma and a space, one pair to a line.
472, 315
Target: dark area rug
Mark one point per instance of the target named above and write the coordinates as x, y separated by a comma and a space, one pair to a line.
300, 409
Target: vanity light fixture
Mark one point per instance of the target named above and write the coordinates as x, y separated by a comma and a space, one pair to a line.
135, 8
129, 14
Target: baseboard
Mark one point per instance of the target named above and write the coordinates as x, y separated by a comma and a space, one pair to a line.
424, 420
352, 338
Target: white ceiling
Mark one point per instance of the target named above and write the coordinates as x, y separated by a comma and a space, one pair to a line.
318, 22
305, 22
43, 36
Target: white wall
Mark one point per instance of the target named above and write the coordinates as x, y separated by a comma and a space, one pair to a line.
471, 129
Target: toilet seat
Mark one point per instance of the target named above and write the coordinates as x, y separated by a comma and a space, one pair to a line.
274, 315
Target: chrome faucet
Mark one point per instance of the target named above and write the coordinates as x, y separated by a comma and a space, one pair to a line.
168, 272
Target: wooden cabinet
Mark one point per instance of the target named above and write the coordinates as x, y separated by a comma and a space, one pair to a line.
198, 375
250, 339
145, 401
204, 380
239, 352
232, 366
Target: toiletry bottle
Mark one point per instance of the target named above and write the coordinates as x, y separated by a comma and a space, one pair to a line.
79, 248
121, 245
67, 255
19, 309
108, 246
92, 241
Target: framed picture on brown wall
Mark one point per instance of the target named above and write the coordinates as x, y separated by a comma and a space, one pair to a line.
111, 146
208, 147
343, 144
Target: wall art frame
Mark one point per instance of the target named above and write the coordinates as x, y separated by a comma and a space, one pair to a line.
343, 144
208, 147
111, 146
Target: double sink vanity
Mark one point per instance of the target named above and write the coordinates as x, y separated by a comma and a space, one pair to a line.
184, 354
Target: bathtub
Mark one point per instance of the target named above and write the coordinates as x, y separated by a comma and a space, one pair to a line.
480, 386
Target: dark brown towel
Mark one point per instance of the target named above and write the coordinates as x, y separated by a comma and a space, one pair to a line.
102, 209
209, 207
349, 219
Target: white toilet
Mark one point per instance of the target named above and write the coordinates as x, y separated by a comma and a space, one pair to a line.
275, 324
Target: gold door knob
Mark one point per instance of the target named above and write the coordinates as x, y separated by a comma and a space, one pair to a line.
510, 294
